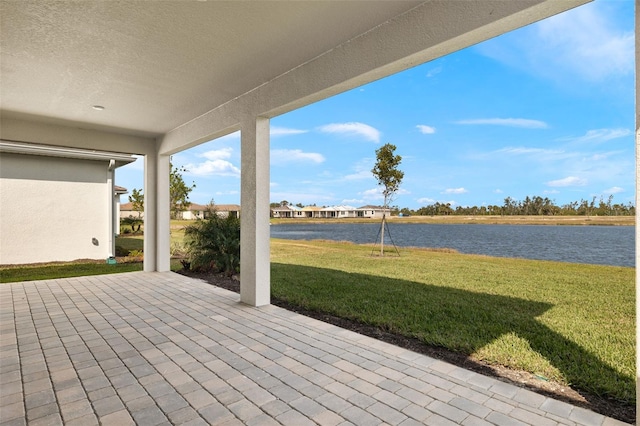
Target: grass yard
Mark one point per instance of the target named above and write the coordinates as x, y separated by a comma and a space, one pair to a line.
571, 323
63, 270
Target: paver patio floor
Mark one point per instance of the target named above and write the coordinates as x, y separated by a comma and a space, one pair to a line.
161, 348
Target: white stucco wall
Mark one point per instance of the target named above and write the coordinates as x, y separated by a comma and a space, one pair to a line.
52, 209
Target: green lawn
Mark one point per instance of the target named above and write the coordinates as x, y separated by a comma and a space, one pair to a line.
65, 270
571, 323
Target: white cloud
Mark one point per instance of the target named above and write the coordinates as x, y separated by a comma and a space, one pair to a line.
302, 197
498, 191
372, 194
601, 135
613, 190
286, 156
434, 71
360, 175
426, 130
216, 164
568, 181
587, 43
426, 200
376, 193
354, 128
526, 150
217, 154
213, 168
284, 131
454, 191
551, 191
362, 170
227, 192
510, 122
352, 201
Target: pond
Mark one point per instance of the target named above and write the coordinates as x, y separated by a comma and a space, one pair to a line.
604, 245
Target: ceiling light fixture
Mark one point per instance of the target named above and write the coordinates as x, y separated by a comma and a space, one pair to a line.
98, 107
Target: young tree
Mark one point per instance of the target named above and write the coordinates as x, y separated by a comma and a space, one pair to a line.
137, 201
389, 177
178, 191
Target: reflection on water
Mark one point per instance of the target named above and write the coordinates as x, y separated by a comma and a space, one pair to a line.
605, 245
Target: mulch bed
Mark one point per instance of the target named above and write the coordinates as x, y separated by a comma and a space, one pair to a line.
607, 407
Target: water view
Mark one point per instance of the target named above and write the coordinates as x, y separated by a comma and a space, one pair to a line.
603, 245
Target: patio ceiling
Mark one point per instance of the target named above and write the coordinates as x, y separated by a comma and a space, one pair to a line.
157, 66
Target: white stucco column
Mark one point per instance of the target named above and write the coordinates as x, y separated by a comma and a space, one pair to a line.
163, 209
150, 203
157, 241
255, 266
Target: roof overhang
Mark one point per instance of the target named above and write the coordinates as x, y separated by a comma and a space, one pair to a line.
63, 152
164, 76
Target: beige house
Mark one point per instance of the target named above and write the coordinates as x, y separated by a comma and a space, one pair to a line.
57, 204
199, 211
332, 212
375, 212
126, 210
195, 211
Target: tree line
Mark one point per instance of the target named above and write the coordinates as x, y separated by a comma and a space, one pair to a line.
530, 206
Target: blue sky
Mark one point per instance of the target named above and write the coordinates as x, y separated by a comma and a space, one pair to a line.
545, 110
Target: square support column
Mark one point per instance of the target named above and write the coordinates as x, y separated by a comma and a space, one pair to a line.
163, 218
157, 243
150, 203
255, 265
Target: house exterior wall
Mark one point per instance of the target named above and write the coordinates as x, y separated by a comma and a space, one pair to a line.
52, 209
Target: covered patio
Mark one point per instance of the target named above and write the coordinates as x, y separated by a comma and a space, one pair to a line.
155, 348
156, 78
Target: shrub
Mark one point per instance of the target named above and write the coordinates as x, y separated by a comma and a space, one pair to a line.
121, 251
135, 253
213, 244
133, 222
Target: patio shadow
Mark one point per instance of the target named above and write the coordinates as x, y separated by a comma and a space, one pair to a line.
460, 320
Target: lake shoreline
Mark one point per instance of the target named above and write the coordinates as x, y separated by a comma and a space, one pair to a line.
470, 220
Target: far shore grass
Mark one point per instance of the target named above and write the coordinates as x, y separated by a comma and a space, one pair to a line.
478, 219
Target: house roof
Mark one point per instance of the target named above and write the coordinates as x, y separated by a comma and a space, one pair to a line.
120, 189
195, 207
339, 208
372, 207
217, 207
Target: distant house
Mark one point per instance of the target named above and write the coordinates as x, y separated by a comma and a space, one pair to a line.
118, 191
338, 212
200, 211
57, 204
283, 211
311, 211
126, 210
374, 212
331, 212
195, 211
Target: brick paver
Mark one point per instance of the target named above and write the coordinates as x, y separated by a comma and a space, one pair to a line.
160, 348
